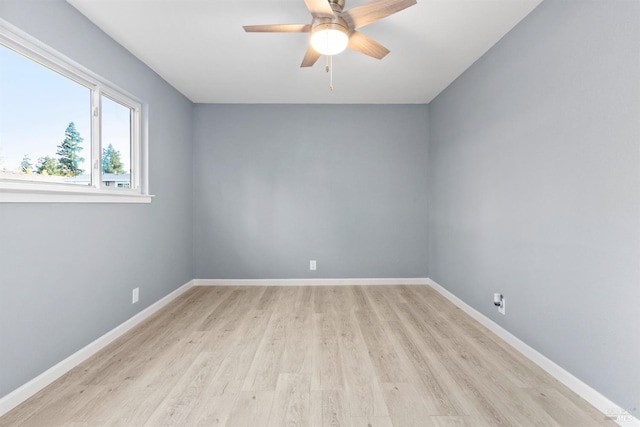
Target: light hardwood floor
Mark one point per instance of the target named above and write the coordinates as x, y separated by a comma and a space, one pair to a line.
361, 356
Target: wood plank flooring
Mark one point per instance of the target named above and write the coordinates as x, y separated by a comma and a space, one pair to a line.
367, 356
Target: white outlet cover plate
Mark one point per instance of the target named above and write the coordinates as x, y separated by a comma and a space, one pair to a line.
501, 309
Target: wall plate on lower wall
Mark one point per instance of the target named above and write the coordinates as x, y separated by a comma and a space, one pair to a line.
610, 410
25, 391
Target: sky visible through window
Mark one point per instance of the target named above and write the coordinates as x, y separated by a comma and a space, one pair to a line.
37, 105
116, 129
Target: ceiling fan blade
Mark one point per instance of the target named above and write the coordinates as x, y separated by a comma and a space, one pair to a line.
310, 57
278, 28
319, 8
373, 11
363, 44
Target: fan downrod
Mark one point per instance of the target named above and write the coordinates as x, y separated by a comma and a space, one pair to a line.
337, 5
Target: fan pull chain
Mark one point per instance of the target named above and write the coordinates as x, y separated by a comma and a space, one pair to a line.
329, 69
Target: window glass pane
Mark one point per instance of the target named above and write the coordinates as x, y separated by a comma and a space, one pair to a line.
45, 123
116, 144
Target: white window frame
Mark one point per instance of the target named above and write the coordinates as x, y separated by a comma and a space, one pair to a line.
24, 191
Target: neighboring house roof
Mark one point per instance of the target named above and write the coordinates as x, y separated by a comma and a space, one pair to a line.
116, 177
123, 177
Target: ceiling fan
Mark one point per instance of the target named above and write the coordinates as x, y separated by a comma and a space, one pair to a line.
333, 29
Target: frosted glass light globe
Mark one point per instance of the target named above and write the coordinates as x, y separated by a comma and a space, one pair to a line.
329, 41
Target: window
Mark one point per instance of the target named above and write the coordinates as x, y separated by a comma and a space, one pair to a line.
65, 134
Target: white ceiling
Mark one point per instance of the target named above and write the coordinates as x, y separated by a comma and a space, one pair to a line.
200, 48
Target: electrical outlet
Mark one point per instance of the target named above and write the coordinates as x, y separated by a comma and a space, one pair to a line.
312, 264
135, 295
501, 307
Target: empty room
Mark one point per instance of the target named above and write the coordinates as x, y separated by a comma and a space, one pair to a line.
365, 213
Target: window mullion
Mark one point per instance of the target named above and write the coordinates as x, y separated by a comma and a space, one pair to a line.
96, 145
135, 148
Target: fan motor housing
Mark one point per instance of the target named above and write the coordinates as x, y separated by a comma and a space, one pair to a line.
335, 23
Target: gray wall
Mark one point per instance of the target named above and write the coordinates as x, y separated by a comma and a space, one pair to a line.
67, 270
534, 179
278, 185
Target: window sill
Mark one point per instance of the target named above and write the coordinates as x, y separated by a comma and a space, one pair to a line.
11, 194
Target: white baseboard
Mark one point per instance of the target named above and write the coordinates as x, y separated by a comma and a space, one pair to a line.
599, 401
583, 390
27, 390
310, 282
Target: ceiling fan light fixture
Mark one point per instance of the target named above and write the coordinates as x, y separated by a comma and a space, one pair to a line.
329, 38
